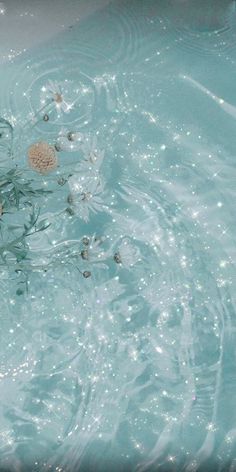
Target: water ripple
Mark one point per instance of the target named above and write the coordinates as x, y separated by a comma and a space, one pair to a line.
133, 367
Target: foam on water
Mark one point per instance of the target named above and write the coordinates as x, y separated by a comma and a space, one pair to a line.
133, 367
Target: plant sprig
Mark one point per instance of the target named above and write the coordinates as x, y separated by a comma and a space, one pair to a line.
18, 246
14, 188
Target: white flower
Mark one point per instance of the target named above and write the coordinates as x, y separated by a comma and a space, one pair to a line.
86, 196
93, 156
56, 93
128, 254
95, 247
94, 253
86, 184
87, 203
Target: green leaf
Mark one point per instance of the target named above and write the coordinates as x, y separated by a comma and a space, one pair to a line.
42, 225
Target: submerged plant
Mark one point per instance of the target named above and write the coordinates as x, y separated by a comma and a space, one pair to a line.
17, 247
14, 189
85, 198
16, 194
6, 137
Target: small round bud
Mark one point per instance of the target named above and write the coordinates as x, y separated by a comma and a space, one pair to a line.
117, 258
57, 147
70, 199
70, 211
84, 254
61, 181
70, 136
85, 241
19, 291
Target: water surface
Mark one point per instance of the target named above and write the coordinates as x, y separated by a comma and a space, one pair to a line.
133, 367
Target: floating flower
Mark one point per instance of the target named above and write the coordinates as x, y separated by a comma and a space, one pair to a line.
128, 254
86, 196
42, 157
88, 203
93, 156
56, 93
93, 251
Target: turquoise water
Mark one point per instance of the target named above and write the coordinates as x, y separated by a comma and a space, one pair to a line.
131, 366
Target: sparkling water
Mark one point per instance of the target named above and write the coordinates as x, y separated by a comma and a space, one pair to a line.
118, 328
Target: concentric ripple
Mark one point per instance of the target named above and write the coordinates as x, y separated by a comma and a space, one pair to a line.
204, 29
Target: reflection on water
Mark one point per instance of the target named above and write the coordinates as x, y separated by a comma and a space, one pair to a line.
201, 15
118, 328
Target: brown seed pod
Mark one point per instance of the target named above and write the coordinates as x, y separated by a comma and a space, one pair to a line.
117, 258
84, 254
85, 241
87, 274
42, 157
86, 196
70, 211
70, 199
62, 181
70, 136
57, 147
